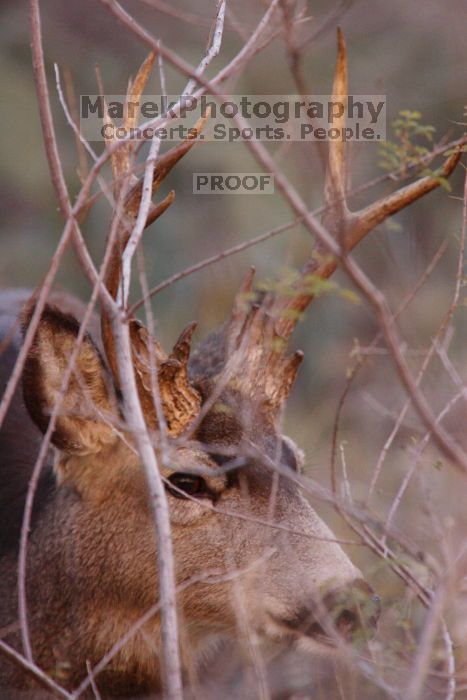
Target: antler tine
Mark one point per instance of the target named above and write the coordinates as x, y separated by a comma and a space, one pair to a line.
135, 89
180, 401
336, 214
163, 167
365, 220
121, 157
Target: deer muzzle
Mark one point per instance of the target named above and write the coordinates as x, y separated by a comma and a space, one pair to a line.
348, 614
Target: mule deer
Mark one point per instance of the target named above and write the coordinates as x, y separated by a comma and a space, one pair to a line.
236, 507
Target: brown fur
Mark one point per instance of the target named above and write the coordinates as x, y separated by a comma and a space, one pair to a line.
91, 569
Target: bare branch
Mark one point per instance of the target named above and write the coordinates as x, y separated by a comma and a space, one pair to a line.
137, 425
34, 670
213, 48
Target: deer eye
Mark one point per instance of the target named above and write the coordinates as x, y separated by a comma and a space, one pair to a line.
191, 484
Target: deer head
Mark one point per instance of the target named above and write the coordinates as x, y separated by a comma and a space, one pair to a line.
253, 548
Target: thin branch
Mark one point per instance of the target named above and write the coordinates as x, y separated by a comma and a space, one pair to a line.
34, 670
451, 661
436, 342
53, 157
416, 461
92, 680
213, 48
422, 658
211, 260
163, 81
362, 358
137, 425
140, 224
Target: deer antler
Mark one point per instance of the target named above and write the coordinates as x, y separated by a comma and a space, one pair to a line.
179, 400
259, 333
349, 227
254, 351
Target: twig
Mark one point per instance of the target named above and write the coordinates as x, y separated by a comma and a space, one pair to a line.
451, 661
92, 680
361, 358
82, 168
163, 82
53, 157
213, 48
69, 118
422, 657
140, 224
136, 424
437, 340
418, 455
217, 257
34, 670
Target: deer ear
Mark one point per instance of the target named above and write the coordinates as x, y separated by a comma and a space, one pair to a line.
83, 423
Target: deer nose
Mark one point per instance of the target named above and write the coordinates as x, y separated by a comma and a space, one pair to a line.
351, 613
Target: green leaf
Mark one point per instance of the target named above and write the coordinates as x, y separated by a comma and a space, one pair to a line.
407, 149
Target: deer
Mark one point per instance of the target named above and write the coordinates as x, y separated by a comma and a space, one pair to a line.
232, 478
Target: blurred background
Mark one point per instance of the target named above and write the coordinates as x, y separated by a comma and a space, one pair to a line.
415, 53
